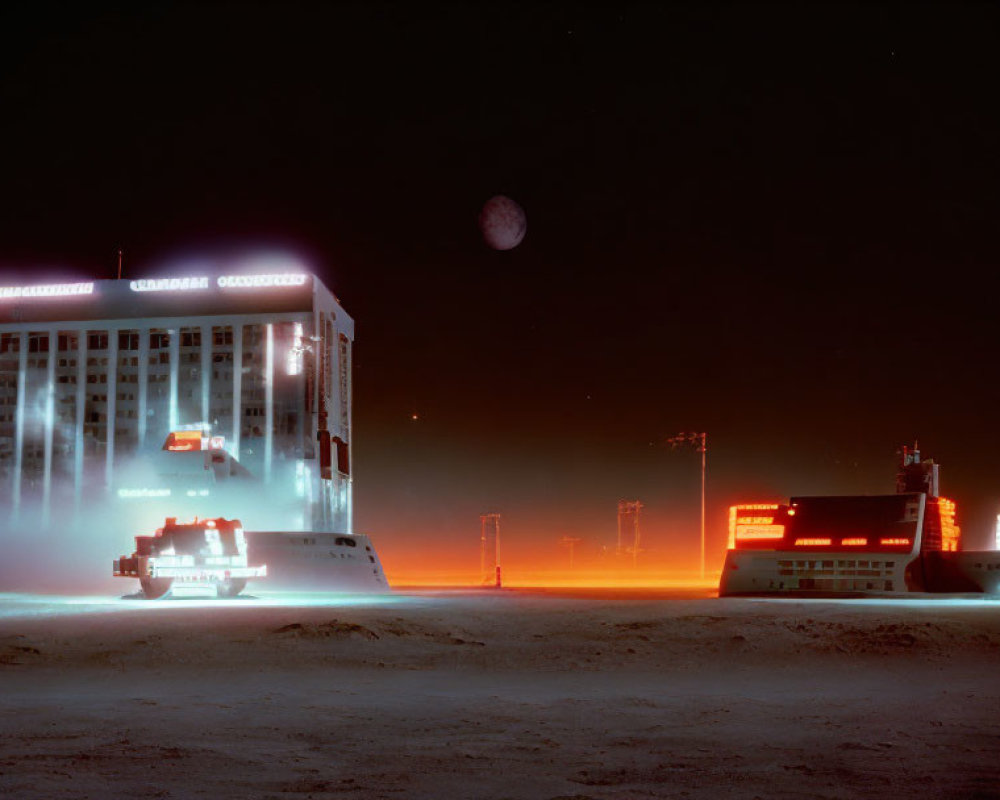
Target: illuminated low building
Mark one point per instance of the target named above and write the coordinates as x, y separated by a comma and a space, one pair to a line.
867, 545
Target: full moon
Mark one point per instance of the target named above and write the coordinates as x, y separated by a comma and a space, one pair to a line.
503, 223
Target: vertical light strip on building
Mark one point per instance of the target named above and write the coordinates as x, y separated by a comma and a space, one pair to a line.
206, 373
348, 434
317, 340
237, 387
328, 485
50, 413
81, 407
174, 345
143, 385
268, 402
111, 407
22, 376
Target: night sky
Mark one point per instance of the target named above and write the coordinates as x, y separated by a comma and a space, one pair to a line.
776, 224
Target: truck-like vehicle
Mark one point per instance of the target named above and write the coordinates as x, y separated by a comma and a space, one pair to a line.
200, 557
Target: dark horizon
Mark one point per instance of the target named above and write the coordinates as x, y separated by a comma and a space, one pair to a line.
770, 223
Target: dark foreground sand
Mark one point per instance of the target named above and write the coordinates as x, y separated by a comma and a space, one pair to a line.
502, 695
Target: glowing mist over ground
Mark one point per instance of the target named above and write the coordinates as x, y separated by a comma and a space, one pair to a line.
73, 551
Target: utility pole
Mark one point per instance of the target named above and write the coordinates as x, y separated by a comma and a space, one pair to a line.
626, 508
493, 521
699, 441
703, 449
571, 542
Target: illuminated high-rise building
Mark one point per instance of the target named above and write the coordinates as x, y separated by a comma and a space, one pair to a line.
224, 391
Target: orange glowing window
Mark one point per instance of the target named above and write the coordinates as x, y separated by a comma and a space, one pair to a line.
183, 440
811, 542
753, 522
951, 534
746, 533
894, 541
857, 542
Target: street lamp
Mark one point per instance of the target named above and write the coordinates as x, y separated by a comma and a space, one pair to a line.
698, 441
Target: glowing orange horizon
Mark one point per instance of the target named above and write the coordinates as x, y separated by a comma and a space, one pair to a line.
669, 558
522, 575
524, 581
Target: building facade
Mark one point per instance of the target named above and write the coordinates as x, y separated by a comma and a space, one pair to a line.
98, 378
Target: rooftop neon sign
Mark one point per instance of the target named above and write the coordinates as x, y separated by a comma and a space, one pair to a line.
260, 281
168, 284
45, 290
199, 283
195, 283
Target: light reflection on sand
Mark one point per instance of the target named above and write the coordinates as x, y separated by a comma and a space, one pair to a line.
38, 605
17, 604
919, 601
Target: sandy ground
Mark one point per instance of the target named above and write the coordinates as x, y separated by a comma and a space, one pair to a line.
500, 695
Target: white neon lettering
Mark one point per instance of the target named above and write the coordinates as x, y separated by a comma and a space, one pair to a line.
131, 493
168, 284
260, 281
45, 290
194, 426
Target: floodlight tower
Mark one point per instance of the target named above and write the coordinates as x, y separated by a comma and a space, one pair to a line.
625, 509
491, 521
